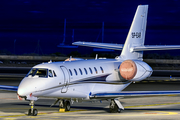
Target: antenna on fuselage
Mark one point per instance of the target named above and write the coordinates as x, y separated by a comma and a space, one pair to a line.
50, 61
96, 57
70, 58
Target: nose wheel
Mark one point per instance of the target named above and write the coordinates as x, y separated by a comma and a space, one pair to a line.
32, 111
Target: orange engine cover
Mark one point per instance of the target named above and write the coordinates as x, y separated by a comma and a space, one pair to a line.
128, 69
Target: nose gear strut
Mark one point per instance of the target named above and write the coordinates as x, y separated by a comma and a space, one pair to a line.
32, 111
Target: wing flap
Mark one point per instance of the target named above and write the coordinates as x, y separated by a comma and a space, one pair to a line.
100, 45
8, 88
133, 94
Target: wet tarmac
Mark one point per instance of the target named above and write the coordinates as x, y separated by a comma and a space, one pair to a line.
164, 107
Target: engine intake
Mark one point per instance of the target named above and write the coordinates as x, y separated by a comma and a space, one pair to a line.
135, 70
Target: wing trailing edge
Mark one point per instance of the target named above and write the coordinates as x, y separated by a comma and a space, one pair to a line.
133, 94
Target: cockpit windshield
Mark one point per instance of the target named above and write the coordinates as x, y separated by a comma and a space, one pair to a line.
40, 72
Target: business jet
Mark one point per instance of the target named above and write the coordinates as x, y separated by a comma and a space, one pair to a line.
76, 80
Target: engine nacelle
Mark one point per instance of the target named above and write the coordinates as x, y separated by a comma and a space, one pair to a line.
135, 70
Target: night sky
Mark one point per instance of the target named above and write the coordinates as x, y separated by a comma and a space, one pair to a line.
25, 22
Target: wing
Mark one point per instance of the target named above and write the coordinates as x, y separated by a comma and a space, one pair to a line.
132, 94
100, 45
155, 47
8, 88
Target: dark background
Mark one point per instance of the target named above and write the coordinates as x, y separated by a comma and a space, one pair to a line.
30, 21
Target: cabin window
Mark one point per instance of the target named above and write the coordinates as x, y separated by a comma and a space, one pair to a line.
38, 72
75, 71
54, 74
95, 70
50, 73
90, 71
70, 72
85, 71
80, 71
102, 70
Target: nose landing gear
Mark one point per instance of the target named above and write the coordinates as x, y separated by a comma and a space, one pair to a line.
32, 111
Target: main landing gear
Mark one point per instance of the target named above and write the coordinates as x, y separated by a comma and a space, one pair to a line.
32, 111
64, 105
115, 106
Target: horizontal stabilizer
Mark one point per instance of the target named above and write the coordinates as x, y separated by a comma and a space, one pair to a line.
132, 49
133, 94
8, 88
154, 47
100, 45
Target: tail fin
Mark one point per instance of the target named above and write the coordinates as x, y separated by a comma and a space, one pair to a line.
136, 34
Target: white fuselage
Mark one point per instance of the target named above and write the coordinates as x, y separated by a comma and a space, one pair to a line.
74, 79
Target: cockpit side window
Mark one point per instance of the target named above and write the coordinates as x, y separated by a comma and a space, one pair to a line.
50, 73
40, 72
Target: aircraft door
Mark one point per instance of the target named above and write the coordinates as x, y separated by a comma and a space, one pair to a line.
66, 79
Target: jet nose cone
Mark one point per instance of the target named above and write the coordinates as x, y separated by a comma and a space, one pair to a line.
21, 91
26, 87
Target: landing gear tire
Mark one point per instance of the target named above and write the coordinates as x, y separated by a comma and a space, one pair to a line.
34, 113
113, 107
29, 112
119, 110
67, 106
